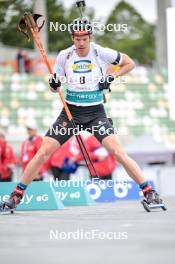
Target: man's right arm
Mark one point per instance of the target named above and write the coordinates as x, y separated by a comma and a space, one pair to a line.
58, 71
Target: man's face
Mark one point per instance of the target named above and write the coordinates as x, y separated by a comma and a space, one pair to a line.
82, 44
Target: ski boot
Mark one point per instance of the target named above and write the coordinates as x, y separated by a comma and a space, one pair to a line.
9, 206
152, 201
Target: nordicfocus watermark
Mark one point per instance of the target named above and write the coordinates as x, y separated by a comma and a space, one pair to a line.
89, 79
81, 234
95, 25
82, 183
62, 130
95, 187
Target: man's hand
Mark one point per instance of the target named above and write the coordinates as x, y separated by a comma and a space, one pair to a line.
126, 65
54, 82
105, 82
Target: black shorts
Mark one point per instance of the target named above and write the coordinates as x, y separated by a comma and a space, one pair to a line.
89, 118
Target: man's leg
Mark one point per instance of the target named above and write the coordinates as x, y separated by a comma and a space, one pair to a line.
53, 139
49, 145
112, 144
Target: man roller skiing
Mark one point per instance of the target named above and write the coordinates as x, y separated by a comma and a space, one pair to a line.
84, 64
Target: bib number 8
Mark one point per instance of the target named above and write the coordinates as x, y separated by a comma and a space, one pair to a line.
82, 79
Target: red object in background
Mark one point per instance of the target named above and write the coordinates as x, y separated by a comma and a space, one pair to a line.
27, 65
104, 164
69, 149
28, 150
2, 156
23, 62
9, 155
7, 158
10, 159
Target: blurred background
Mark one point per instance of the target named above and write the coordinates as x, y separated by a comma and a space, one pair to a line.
142, 108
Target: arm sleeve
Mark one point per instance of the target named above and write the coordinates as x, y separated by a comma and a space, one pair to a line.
59, 64
110, 56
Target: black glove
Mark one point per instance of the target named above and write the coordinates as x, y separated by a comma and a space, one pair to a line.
105, 82
54, 82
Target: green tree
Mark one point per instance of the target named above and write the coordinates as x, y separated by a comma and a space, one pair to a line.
137, 41
56, 13
10, 13
59, 40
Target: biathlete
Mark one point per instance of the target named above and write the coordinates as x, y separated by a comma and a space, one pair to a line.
85, 65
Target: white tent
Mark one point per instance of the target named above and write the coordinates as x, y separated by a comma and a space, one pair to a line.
148, 151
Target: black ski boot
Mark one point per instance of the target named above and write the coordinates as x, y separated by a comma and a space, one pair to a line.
152, 200
14, 199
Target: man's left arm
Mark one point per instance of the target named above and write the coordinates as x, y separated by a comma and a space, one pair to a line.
126, 65
114, 57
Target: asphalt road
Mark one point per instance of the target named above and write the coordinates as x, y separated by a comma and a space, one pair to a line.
120, 232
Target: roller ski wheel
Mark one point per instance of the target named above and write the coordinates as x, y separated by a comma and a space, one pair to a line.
146, 206
5, 209
152, 201
164, 208
9, 206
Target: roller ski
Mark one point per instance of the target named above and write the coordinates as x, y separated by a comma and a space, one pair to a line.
152, 201
8, 207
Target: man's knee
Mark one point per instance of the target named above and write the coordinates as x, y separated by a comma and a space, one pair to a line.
48, 146
42, 155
